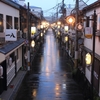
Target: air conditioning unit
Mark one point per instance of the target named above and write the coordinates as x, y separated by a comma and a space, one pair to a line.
19, 34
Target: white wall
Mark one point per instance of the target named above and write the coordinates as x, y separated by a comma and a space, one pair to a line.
8, 10
89, 43
2, 57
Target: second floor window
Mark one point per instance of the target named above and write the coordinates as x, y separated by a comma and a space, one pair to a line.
1, 22
8, 22
15, 22
87, 21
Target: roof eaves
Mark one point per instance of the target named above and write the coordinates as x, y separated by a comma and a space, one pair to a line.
92, 6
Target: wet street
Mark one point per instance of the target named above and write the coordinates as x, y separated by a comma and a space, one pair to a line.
51, 76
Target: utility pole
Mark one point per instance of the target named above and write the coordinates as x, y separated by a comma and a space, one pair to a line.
57, 13
28, 28
93, 56
63, 11
76, 36
63, 7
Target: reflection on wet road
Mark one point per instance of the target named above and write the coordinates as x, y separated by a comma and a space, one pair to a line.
50, 78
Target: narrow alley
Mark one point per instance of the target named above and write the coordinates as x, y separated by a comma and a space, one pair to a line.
51, 76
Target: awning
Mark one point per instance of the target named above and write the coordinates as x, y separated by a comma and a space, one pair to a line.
12, 45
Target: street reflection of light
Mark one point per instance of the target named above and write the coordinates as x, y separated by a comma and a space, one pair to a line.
47, 69
57, 87
57, 93
47, 74
34, 93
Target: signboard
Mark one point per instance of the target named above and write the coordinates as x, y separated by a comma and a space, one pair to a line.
10, 35
88, 32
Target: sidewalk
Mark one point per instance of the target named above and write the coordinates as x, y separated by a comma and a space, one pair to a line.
13, 87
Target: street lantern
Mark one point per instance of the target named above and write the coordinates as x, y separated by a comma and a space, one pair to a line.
58, 33
66, 38
70, 20
33, 43
41, 34
58, 26
33, 30
58, 23
41, 26
88, 59
66, 28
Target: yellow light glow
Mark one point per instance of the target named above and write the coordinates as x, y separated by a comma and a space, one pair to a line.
66, 28
58, 23
58, 33
41, 26
70, 20
58, 26
41, 34
34, 92
33, 43
66, 38
88, 59
57, 87
33, 30
0, 23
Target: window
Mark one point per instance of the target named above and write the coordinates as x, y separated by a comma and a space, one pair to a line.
1, 22
17, 54
9, 22
12, 55
87, 21
15, 22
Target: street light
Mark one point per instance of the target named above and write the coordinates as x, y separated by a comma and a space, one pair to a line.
33, 31
41, 26
88, 59
66, 39
41, 34
66, 28
32, 43
58, 23
70, 20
